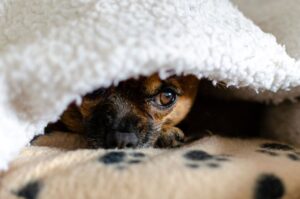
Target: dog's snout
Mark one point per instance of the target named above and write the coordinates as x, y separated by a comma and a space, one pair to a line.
118, 123
121, 140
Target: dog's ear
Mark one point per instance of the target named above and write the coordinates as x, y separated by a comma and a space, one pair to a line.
72, 119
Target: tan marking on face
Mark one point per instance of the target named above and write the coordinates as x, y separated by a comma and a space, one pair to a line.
152, 83
189, 86
72, 118
87, 106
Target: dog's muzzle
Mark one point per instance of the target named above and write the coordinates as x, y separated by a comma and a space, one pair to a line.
121, 140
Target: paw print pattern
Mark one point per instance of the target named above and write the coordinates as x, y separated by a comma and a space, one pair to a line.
269, 186
199, 158
122, 159
277, 146
278, 149
30, 190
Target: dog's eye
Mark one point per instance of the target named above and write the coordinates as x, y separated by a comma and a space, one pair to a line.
165, 98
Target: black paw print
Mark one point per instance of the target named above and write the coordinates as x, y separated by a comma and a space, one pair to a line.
278, 149
122, 159
269, 186
198, 158
30, 190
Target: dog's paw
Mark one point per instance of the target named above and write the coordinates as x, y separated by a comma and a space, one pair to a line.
170, 137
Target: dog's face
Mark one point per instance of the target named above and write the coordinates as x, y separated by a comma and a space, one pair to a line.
134, 113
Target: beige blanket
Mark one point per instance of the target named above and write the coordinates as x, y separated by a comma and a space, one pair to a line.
54, 51
211, 168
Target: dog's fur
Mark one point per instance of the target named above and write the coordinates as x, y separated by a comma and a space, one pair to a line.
134, 109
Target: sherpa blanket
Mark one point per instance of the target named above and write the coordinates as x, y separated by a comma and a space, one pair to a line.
52, 52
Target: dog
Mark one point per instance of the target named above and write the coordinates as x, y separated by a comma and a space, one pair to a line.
137, 113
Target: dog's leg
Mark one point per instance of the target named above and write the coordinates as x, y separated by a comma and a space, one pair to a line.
170, 137
62, 140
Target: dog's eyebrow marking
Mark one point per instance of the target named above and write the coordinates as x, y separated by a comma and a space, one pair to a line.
114, 157
30, 190
277, 146
198, 155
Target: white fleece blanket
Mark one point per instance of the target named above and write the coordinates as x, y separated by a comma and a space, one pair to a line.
53, 51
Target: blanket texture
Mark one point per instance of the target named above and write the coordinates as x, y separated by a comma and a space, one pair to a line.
53, 51
214, 168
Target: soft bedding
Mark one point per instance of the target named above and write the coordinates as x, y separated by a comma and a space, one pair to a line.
213, 168
54, 51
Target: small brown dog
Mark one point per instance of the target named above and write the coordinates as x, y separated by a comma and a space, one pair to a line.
136, 113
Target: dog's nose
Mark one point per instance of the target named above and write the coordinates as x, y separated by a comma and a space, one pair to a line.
121, 140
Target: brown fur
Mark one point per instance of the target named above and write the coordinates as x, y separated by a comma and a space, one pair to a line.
131, 100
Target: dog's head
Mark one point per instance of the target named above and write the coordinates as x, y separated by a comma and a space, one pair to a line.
132, 113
